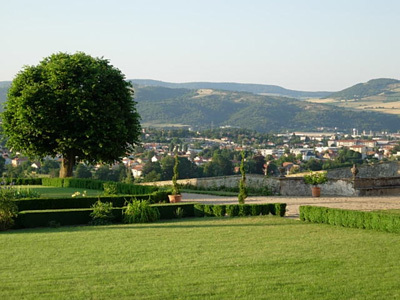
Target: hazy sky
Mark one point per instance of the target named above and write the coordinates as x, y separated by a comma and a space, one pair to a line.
297, 44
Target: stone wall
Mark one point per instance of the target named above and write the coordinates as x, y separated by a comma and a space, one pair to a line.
288, 186
384, 169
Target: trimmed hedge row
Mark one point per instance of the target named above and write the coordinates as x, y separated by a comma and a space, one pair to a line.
122, 188
64, 217
85, 202
241, 210
351, 218
23, 181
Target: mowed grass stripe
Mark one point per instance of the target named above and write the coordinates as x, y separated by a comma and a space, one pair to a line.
213, 258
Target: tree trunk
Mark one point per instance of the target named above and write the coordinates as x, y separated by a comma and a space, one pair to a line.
67, 165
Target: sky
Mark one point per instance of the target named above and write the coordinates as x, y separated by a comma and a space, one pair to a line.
308, 45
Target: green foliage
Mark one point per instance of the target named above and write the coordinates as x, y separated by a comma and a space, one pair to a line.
22, 181
242, 184
232, 210
315, 178
199, 210
83, 171
74, 105
219, 210
110, 188
168, 211
351, 218
20, 193
175, 188
244, 210
8, 208
102, 213
122, 188
140, 212
208, 211
179, 212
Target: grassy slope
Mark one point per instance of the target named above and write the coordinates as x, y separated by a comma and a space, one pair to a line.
224, 258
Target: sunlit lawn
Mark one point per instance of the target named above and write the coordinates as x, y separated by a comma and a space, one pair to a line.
208, 258
51, 192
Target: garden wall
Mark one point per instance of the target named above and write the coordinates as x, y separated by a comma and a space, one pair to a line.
384, 169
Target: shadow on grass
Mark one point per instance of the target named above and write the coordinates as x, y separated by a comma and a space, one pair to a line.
164, 224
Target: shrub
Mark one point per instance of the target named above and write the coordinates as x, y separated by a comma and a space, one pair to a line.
179, 212
102, 213
232, 210
208, 211
110, 188
56, 182
256, 210
244, 210
8, 208
219, 210
315, 178
280, 209
199, 210
140, 212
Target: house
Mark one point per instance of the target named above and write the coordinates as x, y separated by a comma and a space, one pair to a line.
18, 161
137, 171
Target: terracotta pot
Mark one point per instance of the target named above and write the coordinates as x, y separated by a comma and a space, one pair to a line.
316, 191
175, 198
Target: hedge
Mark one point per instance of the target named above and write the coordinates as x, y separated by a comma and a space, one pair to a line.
233, 210
63, 217
122, 188
351, 218
23, 181
84, 202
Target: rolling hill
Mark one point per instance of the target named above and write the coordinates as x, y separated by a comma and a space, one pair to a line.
203, 108
206, 107
377, 95
234, 87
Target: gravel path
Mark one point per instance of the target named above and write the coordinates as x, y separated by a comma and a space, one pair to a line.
293, 203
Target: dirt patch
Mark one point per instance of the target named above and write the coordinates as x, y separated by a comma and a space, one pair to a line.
293, 203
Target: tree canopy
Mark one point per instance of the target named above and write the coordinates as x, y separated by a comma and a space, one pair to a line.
72, 105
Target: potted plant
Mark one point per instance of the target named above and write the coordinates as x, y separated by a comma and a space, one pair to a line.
315, 179
175, 196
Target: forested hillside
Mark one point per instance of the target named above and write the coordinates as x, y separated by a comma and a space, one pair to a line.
206, 108
373, 87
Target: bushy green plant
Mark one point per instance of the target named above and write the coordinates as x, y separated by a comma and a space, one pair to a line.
315, 178
8, 208
102, 213
256, 210
110, 188
208, 211
219, 210
140, 212
199, 210
232, 210
244, 210
179, 212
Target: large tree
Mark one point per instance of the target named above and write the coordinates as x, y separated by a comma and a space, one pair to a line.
72, 105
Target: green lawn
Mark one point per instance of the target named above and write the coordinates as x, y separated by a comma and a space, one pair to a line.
208, 258
58, 192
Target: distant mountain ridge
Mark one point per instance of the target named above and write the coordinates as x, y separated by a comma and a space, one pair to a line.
373, 87
234, 87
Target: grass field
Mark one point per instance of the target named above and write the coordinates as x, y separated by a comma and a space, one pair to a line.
209, 258
58, 192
